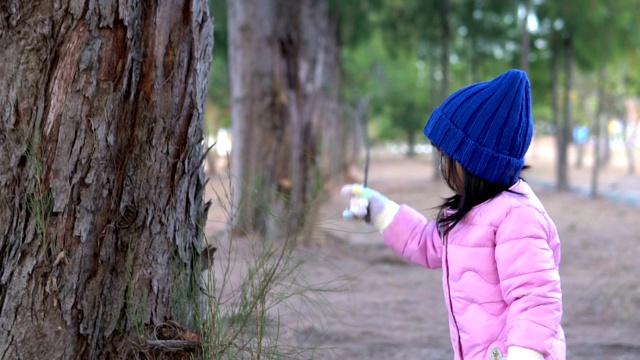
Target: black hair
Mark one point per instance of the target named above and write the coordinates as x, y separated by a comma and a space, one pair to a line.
475, 190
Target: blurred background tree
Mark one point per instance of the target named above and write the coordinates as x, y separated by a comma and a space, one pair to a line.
399, 59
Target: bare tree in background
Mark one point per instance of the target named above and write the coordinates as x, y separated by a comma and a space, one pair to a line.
101, 180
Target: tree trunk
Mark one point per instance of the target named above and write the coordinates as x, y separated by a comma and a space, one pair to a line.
251, 81
628, 138
411, 143
475, 59
563, 151
605, 152
277, 74
579, 140
561, 179
631, 126
320, 149
597, 134
329, 122
445, 40
564, 129
357, 133
526, 38
471, 6
101, 178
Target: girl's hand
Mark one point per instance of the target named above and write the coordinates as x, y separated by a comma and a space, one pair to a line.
369, 205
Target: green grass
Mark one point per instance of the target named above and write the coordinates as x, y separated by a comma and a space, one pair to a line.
40, 201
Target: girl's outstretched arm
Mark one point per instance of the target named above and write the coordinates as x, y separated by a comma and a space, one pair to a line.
404, 229
414, 237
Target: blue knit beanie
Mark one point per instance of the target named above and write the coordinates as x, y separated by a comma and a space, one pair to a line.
486, 127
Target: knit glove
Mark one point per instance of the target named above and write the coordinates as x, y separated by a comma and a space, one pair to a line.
369, 205
520, 353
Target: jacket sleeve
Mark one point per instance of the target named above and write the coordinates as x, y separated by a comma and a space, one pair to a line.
411, 235
527, 257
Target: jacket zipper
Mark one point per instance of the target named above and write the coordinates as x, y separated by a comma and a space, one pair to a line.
453, 315
497, 354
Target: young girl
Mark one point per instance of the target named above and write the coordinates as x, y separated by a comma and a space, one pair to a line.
497, 247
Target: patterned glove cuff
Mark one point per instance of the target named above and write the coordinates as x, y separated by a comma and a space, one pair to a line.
384, 219
520, 353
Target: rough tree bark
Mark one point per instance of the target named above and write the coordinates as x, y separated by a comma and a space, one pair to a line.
101, 179
278, 75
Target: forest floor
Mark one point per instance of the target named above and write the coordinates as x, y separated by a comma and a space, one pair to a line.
391, 309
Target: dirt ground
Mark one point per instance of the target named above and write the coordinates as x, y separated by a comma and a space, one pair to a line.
391, 309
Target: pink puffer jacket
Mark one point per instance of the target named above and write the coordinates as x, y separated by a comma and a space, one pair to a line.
500, 274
